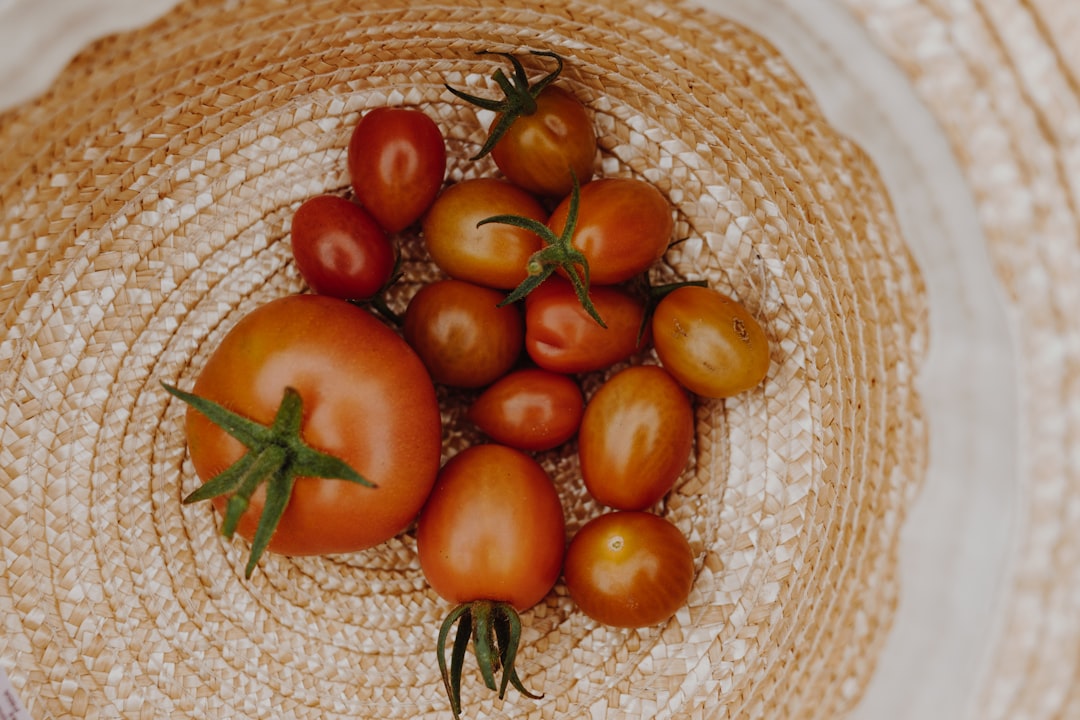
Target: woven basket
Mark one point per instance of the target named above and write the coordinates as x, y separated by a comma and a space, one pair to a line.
146, 200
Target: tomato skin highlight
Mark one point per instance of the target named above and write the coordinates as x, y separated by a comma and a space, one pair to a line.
492, 529
397, 162
367, 400
530, 409
339, 249
624, 226
636, 437
561, 336
495, 255
540, 150
709, 342
463, 337
629, 569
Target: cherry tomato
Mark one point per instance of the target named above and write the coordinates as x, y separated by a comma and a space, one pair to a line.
492, 529
366, 400
635, 438
623, 226
493, 254
339, 249
709, 342
397, 162
629, 569
539, 150
530, 409
464, 338
562, 337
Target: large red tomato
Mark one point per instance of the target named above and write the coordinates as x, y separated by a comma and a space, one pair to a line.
629, 569
361, 397
635, 438
397, 162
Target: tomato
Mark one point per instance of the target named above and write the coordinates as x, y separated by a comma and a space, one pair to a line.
397, 161
367, 402
562, 337
464, 338
530, 409
709, 342
491, 538
492, 529
624, 225
539, 151
629, 569
339, 249
635, 438
495, 255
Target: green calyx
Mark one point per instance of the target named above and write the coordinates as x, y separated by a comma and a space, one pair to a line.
558, 253
495, 631
520, 96
276, 456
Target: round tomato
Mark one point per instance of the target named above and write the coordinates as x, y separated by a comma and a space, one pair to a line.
493, 254
397, 161
561, 336
635, 438
464, 338
530, 409
543, 151
339, 249
629, 569
332, 388
492, 529
709, 342
623, 226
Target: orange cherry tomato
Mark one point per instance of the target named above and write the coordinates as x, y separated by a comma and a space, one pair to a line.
530, 409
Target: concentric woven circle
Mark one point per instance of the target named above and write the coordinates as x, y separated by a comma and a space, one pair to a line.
146, 204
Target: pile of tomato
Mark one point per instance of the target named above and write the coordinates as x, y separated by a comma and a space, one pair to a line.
316, 424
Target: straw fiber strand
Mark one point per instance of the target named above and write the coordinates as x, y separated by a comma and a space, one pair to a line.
1003, 78
146, 204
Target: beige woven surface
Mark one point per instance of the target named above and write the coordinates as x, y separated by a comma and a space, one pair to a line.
146, 200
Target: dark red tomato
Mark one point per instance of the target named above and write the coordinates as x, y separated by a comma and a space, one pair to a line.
530, 409
339, 249
629, 569
397, 162
623, 226
562, 337
539, 151
366, 399
493, 529
493, 254
635, 438
464, 338
709, 342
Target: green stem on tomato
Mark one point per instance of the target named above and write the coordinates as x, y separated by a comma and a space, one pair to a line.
519, 96
495, 631
654, 294
558, 253
276, 456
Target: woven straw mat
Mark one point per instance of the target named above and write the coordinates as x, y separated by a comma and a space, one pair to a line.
146, 202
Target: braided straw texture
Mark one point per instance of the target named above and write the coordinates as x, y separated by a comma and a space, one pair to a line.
146, 200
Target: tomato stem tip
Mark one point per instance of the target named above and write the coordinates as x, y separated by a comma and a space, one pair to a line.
494, 628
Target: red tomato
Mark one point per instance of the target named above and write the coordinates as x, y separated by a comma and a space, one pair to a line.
562, 337
366, 400
492, 529
464, 338
339, 249
709, 342
623, 227
530, 409
635, 438
539, 150
494, 254
629, 569
397, 162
